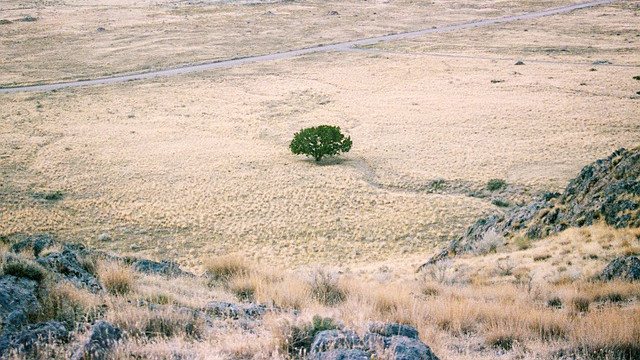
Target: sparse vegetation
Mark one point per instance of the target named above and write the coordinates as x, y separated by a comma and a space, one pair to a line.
20, 267
496, 184
320, 141
116, 279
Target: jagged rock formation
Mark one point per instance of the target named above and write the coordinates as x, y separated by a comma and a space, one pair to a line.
625, 268
607, 190
102, 337
382, 341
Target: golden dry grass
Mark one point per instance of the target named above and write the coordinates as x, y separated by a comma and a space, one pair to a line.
149, 34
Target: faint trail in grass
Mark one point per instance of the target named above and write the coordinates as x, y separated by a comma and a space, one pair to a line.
293, 53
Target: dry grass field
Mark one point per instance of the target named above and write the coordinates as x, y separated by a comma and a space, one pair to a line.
196, 168
64, 43
185, 167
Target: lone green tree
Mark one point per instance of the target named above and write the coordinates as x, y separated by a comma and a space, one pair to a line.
320, 141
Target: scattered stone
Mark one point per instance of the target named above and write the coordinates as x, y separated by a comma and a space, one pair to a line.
333, 13
101, 339
5, 22
166, 268
231, 310
36, 244
104, 237
391, 329
519, 63
334, 339
66, 265
602, 62
350, 354
26, 341
28, 19
625, 268
17, 299
101, 29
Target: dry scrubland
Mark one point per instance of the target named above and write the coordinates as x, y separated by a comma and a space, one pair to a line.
537, 309
146, 35
186, 167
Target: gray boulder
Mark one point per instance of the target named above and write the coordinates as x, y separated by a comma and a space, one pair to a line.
165, 268
231, 310
17, 300
35, 244
621, 268
404, 348
66, 265
101, 339
342, 354
390, 329
335, 339
26, 341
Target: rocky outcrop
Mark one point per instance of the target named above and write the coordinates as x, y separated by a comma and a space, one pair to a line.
101, 339
35, 244
382, 341
66, 265
626, 268
27, 341
231, 310
607, 190
165, 268
17, 301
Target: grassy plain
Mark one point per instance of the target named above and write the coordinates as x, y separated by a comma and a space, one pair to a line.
76, 39
185, 167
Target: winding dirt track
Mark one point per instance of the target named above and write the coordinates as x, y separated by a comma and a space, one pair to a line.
288, 54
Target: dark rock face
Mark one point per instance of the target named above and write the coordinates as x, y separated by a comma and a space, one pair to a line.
608, 189
383, 341
387, 330
27, 340
404, 348
101, 339
36, 244
335, 339
622, 268
66, 264
17, 300
351, 354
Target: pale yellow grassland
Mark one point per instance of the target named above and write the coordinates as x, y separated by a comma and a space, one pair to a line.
605, 33
64, 42
190, 166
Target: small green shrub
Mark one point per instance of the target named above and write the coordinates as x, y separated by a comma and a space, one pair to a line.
298, 337
581, 304
500, 203
326, 290
320, 141
522, 243
554, 302
637, 77
496, 184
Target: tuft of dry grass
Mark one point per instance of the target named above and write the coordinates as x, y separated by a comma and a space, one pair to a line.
117, 279
224, 268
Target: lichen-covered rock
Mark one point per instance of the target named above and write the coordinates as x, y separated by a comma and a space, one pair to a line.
66, 265
342, 354
625, 268
390, 329
35, 244
100, 341
404, 348
17, 299
165, 268
231, 310
608, 189
26, 341
334, 339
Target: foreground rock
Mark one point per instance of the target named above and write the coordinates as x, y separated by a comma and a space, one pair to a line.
35, 244
383, 341
606, 190
101, 339
28, 340
17, 301
66, 265
626, 268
